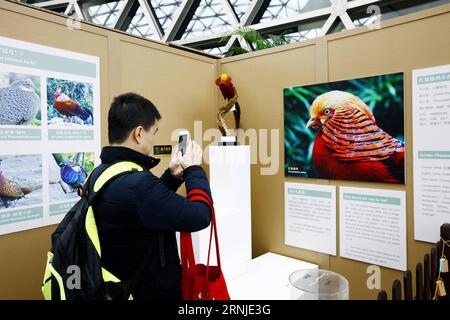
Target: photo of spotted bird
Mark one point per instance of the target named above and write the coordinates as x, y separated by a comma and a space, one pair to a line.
349, 144
19, 103
10, 191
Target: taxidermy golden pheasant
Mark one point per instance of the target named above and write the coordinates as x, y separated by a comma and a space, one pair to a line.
349, 145
225, 84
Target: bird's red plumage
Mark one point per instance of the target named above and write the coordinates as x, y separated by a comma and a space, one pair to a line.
226, 87
69, 107
350, 146
66, 108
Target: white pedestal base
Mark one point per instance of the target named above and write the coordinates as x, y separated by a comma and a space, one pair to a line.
230, 187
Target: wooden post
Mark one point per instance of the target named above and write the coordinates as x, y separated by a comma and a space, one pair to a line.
419, 281
426, 277
407, 284
397, 290
382, 295
445, 234
433, 270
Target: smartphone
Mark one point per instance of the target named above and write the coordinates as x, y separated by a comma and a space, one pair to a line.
183, 137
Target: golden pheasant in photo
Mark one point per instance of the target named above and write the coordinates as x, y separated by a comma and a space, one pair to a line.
349, 144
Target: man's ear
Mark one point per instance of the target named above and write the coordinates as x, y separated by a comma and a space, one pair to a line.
138, 134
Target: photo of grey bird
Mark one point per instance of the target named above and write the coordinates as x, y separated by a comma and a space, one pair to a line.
18, 103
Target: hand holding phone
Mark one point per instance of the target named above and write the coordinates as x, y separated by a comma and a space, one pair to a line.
192, 152
183, 138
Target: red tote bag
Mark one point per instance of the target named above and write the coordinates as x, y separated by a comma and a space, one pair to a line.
199, 281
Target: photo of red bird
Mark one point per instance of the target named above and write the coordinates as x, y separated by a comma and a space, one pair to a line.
69, 107
225, 84
70, 103
349, 145
346, 130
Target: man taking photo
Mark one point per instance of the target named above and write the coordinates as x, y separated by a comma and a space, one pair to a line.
138, 214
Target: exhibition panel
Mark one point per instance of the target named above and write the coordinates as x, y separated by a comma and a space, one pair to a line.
278, 86
169, 77
324, 163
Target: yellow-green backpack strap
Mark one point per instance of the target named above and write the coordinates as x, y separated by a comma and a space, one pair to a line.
91, 226
113, 171
105, 176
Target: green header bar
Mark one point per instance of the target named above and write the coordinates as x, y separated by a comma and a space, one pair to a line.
20, 134
61, 208
21, 215
434, 154
310, 193
440, 77
67, 134
370, 198
43, 61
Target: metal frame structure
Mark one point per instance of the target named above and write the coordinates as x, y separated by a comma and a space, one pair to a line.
174, 21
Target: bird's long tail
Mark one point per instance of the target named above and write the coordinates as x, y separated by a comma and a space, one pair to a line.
26, 190
237, 115
88, 113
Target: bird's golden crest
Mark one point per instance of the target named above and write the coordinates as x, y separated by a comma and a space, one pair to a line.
338, 101
348, 128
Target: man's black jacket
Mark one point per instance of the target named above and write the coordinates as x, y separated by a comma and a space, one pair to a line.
136, 209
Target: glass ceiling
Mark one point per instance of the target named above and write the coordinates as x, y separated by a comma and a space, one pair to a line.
105, 14
210, 19
240, 6
139, 26
165, 10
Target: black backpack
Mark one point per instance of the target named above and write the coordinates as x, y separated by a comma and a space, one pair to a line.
73, 269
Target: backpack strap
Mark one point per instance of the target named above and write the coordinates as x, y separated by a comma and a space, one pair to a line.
111, 173
108, 175
105, 178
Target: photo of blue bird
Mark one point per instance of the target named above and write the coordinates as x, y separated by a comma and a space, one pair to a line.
73, 174
74, 170
68, 171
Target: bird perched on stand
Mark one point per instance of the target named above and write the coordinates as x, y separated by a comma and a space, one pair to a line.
225, 84
68, 107
349, 145
10, 191
18, 103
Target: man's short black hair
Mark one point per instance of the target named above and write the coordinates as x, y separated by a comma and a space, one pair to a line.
127, 112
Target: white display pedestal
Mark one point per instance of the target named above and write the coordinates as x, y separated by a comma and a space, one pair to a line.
230, 187
267, 278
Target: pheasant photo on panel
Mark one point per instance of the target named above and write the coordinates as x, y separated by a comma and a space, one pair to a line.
20, 181
20, 99
67, 171
69, 103
346, 130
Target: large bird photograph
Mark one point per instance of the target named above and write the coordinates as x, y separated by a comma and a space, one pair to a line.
69, 103
67, 171
20, 99
346, 130
20, 181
